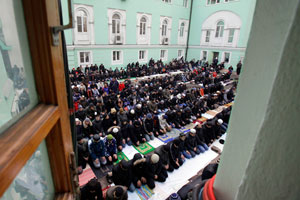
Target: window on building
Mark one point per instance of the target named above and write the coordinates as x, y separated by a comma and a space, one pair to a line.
207, 36
167, 1
211, 2
180, 53
142, 55
185, 3
164, 28
204, 55
116, 24
81, 21
84, 57
231, 35
226, 57
230, 0
163, 54
116, 56
220, 29
181, 30
143, 26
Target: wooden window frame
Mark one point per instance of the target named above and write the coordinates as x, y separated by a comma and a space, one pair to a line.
50, 118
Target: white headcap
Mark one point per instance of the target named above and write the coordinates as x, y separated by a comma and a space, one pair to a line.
146, 85
115, 130
220, 121
139, 106
132, 111
77, 120
136, 86
179, 96
154, 158
193, 130
160, 88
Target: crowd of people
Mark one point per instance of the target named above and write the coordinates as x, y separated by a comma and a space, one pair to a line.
112, 114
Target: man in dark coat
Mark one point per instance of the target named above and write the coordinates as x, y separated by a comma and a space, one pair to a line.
137, 133
122, 175
92, 190
154, 170
164, 154
117, 193
175, 155
138, 168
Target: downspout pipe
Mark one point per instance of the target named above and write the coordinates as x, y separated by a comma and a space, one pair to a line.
188, 36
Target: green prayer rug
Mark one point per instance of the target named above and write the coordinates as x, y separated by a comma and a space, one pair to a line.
144, 148
121, 156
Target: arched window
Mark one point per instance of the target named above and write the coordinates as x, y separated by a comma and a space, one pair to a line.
116, 24
220, 29
82, 21
143, 26
164, 28
181, 30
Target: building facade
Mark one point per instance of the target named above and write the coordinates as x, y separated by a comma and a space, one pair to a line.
118, 32
220, 29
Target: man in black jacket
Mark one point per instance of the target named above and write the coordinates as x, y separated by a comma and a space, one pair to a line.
175, 156
154, 170
122, 175
164, 154
138, 168
92, 190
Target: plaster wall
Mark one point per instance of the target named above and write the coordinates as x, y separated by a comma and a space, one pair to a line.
258, 161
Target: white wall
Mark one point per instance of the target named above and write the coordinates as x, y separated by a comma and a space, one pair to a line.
261, 154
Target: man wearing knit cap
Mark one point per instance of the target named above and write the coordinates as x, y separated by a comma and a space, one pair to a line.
192, 144
117, 192
155, 170
97, 150
111, 148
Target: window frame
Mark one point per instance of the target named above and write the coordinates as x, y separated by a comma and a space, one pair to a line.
84, 22
209, 2
143, 27
114, 54
185, 3
219, 29
164, 28
116, 24
181, 30
202, 55
224, 57
145, 59
90, 58
230, 36
49, 120
207, 36
165, 58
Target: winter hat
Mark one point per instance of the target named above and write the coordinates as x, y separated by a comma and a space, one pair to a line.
174, 196
220, 121
154, 158
109, 137
119, 191
96, 137
149, 116
181, 134
115, 130
87, 119
80, 106
113, 111
193, 131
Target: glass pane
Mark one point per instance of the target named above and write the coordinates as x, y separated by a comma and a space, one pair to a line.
17, 86
85, 24
87, 57
118, 26
113, 26
35, 179
79, 24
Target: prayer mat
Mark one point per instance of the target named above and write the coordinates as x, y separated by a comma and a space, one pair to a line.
212, 113
201, 120
86, 175
165, 138
144, 192
121, 156
229, 104
144, 148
